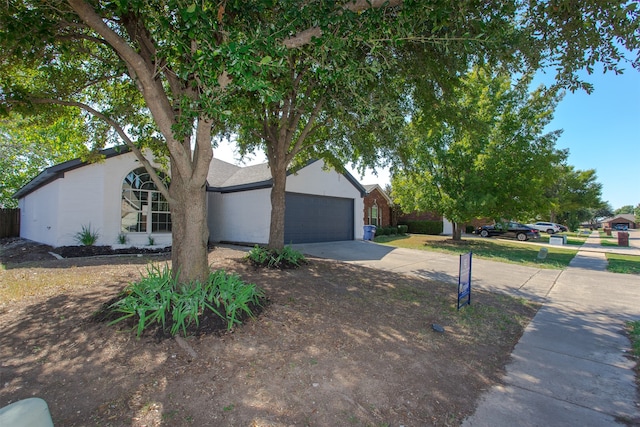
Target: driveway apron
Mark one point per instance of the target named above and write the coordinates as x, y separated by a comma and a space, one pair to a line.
570, 367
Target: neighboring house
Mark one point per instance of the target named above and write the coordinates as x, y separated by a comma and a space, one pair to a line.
116, 198
447, 227
623, 219
377, 207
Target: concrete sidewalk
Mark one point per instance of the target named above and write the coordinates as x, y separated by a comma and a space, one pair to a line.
570, 366
590, 256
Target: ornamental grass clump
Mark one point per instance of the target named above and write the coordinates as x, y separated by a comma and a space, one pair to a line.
86, 236
272, 258
158, 299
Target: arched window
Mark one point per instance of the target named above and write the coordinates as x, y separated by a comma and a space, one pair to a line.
144, 208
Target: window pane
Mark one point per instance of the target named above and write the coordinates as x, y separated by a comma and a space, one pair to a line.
161, 222
141, 198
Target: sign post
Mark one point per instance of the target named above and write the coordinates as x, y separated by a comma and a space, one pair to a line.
464, 281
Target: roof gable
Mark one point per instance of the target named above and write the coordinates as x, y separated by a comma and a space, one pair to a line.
227, 178
628, 217
372, 187
52, 173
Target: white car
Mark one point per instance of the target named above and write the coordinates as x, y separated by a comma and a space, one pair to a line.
549, 227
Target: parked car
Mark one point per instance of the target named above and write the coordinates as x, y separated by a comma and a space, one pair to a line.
513, 229
563, 228
621, 227
549, 227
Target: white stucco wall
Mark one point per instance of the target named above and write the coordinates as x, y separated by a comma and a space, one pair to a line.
39, 214
245, 216
242, 217
86, 196
447, 227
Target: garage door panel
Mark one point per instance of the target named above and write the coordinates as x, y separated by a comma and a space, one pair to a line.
310, 218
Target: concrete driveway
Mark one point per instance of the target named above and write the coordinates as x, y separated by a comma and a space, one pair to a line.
570, 367
527, 282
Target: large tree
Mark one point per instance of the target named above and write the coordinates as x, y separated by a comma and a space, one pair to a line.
182, 62
491, 160
349, 114
627, 209
573, 196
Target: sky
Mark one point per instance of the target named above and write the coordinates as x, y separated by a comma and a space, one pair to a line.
601, 131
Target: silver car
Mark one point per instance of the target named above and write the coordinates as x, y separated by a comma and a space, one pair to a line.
548, 227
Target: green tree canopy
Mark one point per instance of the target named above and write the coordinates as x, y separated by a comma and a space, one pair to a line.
572, 195
627, 209
30, 144
183, 63
493, 160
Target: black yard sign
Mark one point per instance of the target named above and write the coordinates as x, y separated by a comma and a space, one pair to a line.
464, 280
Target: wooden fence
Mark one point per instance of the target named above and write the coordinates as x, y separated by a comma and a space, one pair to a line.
9, 223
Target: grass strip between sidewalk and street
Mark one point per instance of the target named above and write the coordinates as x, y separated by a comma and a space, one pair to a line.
501, 250
626, 264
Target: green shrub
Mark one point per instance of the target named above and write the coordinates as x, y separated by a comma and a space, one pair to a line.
86, 236
402, 228
386, 231
157, 297
271, 258
469, 229
425, 227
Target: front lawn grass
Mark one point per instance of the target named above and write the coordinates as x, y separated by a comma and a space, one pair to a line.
627, 264
502, 250
604, 235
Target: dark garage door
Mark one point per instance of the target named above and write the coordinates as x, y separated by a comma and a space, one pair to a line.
310, 218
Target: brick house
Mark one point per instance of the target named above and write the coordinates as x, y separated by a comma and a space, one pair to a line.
623, 219
377, 207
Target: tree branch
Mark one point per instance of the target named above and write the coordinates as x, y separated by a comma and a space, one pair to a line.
305, 131
153, 92
305, 37
116, 126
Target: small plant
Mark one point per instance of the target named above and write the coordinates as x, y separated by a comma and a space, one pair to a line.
271, 258
151, 240
122, 239
158, 299
86, 236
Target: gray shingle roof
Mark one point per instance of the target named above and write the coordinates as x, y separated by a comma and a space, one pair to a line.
222, 177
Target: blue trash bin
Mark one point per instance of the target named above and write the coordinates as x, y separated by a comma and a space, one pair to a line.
369, 232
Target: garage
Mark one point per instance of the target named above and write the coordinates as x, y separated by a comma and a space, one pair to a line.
311, 218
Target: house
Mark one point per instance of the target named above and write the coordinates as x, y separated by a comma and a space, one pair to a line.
447, 226
623, 219
377, 207
118, 200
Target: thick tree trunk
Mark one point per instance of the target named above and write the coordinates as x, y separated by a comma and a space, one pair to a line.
457, 231
190, 233
276, 232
